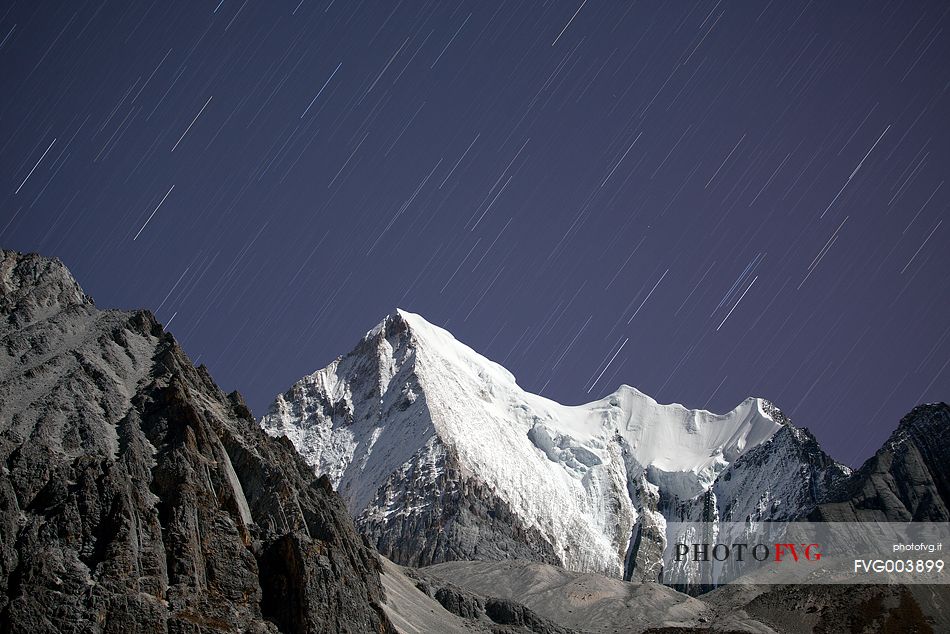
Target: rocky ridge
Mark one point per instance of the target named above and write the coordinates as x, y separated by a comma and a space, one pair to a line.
441, 456
906, 480
137, 497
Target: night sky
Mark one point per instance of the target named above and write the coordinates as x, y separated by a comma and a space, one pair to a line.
706, 201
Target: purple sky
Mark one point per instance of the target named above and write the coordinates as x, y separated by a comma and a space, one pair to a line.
741, 198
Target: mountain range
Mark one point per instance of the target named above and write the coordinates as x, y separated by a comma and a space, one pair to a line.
441, 456
137, 496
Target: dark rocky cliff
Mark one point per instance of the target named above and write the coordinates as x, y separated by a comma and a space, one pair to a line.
469, 521
135, 496
907, 480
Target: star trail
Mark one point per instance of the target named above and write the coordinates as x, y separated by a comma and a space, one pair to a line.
704, 200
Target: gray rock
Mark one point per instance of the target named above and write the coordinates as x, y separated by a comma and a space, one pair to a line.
808, 609
138, 497
906, 480
592, 603
468, 521
499, 614
582, 602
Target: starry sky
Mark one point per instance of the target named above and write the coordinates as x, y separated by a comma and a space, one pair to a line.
704, 200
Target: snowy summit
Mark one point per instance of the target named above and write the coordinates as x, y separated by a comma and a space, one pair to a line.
440, 455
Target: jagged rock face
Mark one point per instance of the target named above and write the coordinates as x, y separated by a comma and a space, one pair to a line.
906, 480
137, 497
781, 480
467, 520
441, 456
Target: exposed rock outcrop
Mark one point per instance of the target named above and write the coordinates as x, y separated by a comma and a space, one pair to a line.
907, 480
135, 496
467, 520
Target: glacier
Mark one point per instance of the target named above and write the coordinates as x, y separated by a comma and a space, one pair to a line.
440, 455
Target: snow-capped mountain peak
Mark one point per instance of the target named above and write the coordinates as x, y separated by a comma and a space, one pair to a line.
431, 443
669, 437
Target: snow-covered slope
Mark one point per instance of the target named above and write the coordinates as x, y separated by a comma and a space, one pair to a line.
440, 455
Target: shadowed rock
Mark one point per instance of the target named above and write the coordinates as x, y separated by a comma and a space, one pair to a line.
137, 497
907, 480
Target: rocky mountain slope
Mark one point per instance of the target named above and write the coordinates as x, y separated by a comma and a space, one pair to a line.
137, 497
907, 480
441, 456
